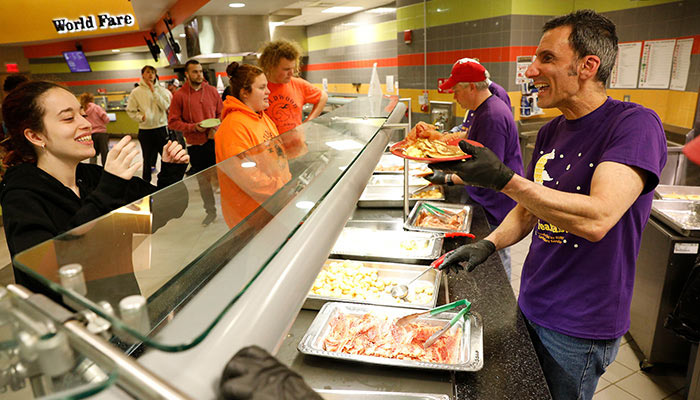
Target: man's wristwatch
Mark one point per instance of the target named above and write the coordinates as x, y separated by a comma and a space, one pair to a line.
448, 180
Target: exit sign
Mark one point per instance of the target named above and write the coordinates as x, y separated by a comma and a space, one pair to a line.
11, 68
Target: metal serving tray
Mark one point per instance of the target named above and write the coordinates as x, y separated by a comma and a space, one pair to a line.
368, 243
454, 207
679, 215
372, 395
672, 192
390, 160
392, 196
401, 273
396, 180
470, 357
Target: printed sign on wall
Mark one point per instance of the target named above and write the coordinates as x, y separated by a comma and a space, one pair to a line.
28, 21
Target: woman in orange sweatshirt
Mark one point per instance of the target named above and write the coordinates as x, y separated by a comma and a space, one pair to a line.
247, 180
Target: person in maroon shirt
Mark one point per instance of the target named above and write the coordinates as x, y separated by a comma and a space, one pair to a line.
195, 102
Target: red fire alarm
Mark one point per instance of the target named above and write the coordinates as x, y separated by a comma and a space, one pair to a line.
407, 36
11, 68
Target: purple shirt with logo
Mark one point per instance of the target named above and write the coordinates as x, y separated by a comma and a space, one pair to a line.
494, 127
570, 285
495, 89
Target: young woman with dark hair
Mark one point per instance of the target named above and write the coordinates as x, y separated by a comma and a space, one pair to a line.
46, 189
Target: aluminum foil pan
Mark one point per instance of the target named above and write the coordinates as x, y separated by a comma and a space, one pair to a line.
672, 192
453, 207
373, 395
383, 245
470, 352
393, 165
392, 196
683, 216
396, 273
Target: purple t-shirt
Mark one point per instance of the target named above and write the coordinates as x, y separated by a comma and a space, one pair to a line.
570, 285
495, 89
494, 127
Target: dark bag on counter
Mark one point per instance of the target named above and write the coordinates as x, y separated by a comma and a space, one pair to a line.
685, 318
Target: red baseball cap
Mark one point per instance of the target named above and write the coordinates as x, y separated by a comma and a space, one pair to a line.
465, 70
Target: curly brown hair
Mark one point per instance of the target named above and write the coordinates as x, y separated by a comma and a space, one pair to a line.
85, 99
241, 77
23, 109
273, 52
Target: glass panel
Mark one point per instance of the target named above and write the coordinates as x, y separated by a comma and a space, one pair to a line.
37, 360
157, 247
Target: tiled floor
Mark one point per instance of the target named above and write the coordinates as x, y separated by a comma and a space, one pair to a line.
623, 380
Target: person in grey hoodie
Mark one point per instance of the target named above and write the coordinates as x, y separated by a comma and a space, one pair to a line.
148, 105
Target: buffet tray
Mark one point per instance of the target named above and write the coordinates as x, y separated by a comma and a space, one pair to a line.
398, 272
678, 215
392, 196
470, 357
396, 180
366, 240
373, 395
672, 192
454, 207
390, 161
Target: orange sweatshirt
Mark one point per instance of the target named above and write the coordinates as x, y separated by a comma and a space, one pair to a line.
250, 178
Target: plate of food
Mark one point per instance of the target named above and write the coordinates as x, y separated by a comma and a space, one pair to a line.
430, 151
210, 123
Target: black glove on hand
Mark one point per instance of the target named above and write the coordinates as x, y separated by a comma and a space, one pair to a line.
436, 178
483, 169
473, 254
253, 374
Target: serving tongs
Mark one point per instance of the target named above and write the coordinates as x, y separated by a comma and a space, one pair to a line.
447, 327
442, 215
434, 311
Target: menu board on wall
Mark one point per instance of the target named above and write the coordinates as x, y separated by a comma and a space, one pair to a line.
657, 58
681, 63
624, 73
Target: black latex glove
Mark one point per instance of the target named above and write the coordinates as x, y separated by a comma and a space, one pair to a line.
471, 254
254, 374
436, 178
483, 169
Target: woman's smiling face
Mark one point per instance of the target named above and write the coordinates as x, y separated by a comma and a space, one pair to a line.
67, 133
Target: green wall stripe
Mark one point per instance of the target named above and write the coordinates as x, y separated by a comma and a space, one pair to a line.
370, 33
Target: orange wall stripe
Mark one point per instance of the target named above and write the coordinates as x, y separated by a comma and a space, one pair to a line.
111, 81
90, 44
381, 62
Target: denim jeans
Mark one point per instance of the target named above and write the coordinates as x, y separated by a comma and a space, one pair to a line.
571, 366
504, 254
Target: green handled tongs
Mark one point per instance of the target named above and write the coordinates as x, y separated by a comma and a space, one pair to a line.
446, 328
434, 311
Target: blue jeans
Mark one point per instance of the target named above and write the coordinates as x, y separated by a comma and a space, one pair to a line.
504, 254
571, 366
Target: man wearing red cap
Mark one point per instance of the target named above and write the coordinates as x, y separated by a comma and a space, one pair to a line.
494, 127
585, 200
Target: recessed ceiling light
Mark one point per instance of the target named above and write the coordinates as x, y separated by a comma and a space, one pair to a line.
115, 50
341, 10
382, 10
236, 5
277, 23
182, 35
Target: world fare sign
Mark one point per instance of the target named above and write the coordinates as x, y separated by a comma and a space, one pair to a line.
92, 23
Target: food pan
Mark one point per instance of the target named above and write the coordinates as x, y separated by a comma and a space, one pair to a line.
681, 215
392, 196
469, 345
383, 245
373, 395
396, 273
397, 180
393, 165
672, 192
450, 207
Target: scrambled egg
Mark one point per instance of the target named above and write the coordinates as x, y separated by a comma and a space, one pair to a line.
352, 280
434, 193
682, 196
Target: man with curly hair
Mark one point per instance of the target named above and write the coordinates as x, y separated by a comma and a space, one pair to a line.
288, 93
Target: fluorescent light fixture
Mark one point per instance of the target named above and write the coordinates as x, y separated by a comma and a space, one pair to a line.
182, 35
382, 10
343, 168
305, 204
115, 50
341, 10
236, 5
275, 24
353, 24
248, 164
347, 144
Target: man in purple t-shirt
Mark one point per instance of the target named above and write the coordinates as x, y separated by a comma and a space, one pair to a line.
494, 127
586, 200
